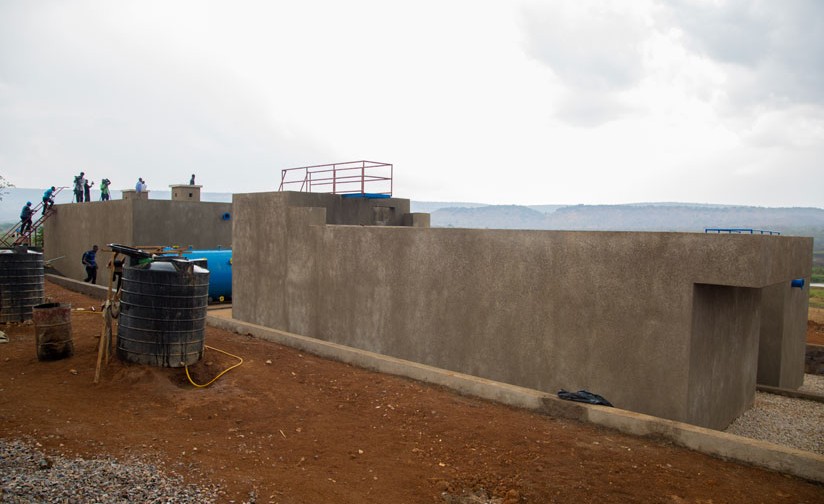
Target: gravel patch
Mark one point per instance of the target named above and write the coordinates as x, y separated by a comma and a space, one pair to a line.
813, 384
796, 423
29, 476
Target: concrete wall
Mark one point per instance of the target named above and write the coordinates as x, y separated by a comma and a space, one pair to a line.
77, 226
784, 310
723, 354
661, 323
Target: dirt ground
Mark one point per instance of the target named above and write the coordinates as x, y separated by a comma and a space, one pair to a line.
289, 427
815, 326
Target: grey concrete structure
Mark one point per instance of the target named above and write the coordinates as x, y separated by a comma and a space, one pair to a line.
131, 194
783, 311
667, 324
185, 192
135, 222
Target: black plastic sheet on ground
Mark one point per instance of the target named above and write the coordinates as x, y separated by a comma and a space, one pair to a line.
584, 397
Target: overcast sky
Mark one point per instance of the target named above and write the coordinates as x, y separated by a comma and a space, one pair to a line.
508, 102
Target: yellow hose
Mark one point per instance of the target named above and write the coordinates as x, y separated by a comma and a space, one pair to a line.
240, 359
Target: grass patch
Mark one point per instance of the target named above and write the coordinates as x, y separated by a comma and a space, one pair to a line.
816, 297
818, 274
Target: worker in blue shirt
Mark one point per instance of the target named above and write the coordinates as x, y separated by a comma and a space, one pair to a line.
90, 262
48, 200
25, 217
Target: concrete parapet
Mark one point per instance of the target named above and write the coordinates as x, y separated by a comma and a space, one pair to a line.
98, 292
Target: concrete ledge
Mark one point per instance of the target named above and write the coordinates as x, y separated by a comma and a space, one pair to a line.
795, 394
94, 291
802, 464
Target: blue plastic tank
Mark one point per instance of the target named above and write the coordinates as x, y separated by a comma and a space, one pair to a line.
219, 264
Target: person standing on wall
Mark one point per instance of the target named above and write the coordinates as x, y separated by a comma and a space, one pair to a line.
79, 187
140, 186
25, 218
192, 180
104, 189
87, 186
48, 201
90, 262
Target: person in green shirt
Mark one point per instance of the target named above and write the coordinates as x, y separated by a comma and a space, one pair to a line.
104, 189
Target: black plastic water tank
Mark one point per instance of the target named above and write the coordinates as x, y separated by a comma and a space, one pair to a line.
163, 313
21, 283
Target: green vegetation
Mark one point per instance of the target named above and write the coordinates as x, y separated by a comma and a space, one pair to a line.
818, 274
816, 297
37, 238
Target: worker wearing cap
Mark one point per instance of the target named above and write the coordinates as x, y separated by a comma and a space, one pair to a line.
25, 217
48, 200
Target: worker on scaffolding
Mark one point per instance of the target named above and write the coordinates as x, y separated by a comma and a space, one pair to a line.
25, 218
48, 199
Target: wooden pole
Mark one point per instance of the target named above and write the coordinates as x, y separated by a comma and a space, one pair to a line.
103, 350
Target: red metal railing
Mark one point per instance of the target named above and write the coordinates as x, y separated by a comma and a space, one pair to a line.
15, 235
367, 178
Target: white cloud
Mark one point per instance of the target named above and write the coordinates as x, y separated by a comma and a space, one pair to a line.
777, 47
569, 101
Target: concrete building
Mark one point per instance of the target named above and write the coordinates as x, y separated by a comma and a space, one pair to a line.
676, 325
135, 222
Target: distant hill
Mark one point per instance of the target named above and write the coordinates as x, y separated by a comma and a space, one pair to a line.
431, 206
637, 217
664, 216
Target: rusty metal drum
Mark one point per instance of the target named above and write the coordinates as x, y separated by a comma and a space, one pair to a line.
53, 329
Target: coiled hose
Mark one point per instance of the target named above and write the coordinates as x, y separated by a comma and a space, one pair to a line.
198, 385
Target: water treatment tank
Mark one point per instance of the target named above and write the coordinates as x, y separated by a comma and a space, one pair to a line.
163, 313
219, 264
21, 283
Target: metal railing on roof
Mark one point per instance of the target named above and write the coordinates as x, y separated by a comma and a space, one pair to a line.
740, 231
353, 178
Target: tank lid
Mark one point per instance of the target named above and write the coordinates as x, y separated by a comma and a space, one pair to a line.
172, 265
19, 250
